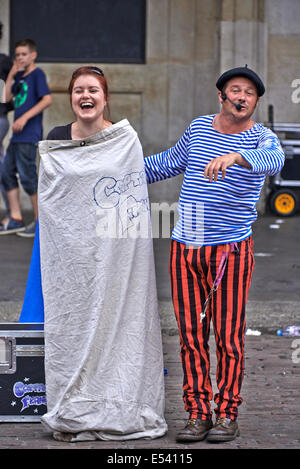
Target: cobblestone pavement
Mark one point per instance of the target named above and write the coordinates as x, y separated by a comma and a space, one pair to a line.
269, 417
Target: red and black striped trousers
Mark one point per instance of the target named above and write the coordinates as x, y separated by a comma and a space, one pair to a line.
193, 271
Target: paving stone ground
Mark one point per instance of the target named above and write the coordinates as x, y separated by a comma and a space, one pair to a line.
269, 417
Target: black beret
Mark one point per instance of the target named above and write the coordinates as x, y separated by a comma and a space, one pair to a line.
241, 72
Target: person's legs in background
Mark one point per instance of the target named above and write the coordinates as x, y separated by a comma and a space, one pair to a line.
4, 126
26, 164
20, 159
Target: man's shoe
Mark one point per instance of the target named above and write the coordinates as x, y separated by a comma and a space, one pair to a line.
29, 231
12, 226
224, 429
195, 430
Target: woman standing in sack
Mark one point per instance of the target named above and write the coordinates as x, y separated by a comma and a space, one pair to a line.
103, 350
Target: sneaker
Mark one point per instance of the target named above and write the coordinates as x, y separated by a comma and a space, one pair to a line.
29, 231
11, 226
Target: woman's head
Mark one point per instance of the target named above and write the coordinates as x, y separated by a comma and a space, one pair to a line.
88, 81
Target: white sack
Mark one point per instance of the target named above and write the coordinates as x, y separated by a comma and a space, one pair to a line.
103, 347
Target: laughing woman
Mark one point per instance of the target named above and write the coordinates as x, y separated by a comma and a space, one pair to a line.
88, 92
103, 351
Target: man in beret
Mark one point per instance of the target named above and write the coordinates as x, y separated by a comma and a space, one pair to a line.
225, 158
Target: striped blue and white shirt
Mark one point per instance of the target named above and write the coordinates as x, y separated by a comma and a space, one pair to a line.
222, 211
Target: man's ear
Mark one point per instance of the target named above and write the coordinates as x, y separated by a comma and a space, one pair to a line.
220, 97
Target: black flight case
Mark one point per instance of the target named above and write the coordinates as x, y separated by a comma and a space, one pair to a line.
22, 375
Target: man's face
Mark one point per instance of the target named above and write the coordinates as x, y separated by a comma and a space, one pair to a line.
241, 91
24, 57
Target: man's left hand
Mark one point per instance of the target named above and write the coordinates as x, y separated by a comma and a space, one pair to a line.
221, 163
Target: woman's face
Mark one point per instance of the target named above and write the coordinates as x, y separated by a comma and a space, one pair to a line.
88, 100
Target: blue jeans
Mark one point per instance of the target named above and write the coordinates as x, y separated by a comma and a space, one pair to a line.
20, 159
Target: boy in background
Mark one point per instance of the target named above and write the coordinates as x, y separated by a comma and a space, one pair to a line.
27, 85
